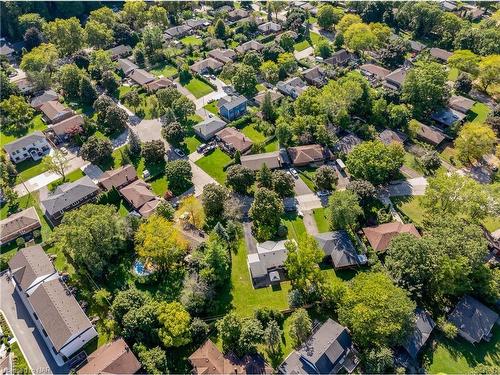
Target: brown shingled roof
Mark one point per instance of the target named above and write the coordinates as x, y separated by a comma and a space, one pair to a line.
233, 137
18, 224
29, 264
112, 358
302, 155
381, 235
64, 126
137, 193
118, 177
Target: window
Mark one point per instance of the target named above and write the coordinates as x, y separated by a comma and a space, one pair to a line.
44, 332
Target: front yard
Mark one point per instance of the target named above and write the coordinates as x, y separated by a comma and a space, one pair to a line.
214, 163
164, 70
192, 40
198, 88
295, 226
321, 218
212, 107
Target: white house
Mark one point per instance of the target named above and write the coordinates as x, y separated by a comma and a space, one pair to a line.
33, 146
270, 256
56, 313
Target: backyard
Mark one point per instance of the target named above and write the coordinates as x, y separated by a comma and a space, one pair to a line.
198, 88
164, 70
35, 124
192, 40
214, 164
295, 225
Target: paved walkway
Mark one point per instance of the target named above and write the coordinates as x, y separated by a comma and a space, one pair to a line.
30, 341
310, 223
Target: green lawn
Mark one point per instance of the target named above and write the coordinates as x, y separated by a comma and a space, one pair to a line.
410, 161
70, 177
122, 90
273, 146
411, 207
36, 124
164, 70
213, 164
453, 74
191, 143
315, 38
295, 225
251, 132
307, 175
191, 40
449, 154
479, 112
301, 45
159, 185
198, 88
492, 223
320, 216
260, 87
212, 107
460, 357
29, 168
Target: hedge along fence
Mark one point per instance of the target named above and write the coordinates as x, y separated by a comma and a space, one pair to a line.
242, 121
204, 80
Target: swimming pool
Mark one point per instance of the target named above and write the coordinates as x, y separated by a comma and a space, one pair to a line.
139, 269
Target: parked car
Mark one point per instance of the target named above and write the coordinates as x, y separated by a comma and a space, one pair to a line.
201, 148
323, 193
179, 152
294, 172
146, 174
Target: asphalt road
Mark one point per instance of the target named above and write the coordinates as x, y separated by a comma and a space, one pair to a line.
30, 340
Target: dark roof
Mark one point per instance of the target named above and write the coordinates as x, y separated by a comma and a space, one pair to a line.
121, 50
339, 57
440, 54
45, 97
338, 245
19, 224
208, 63
209, 127
423, 329
177, 30
250, 45
375, 70
473, 318
141, 77
461, 103
292, 87
321, 353
194, 23
231, 101
429, 134
447, 116
222, 55
126, 65
397, 77
389, 136
347, 143
24, 141
68, 194
417, 46
315, 75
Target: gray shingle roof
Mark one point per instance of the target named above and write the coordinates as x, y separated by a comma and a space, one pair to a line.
230, 102
423, 329
338, 245
68, 194
209, 127
29, 264
24, 141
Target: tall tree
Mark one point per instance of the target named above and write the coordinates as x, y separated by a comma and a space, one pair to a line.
244, 80
344, 210
179, 175
15, 113
69, 76
300, 327
98, 35
66, 34
264, 177
266, 211
239, 178
474, 141
175, 324
192, 206
328, 16
56, 163
325, 178
302, 264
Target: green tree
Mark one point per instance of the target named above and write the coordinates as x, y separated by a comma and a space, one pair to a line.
154, 360
425, 88
220, 29
32, 38
175, 324
300, 327
96, 150
456, 195
302, 264
100, 62
216, 263
266, 211
244, 80
39, 64
173, 133
287, 42
284, 133
447, 27
465, 61
325, 178
270, 71
110, 81
240, 335
283, 184
8, 88
16, 114
390, 318
56, 163
323, 49
98, 35
66, 34
272, 337
115, 117
69, 77
125, 301
375, 162
135, 13
92, 236
213, 198
141, 324
152, 39
267, 108
88, 94
159, 241
287, 62
474, 141
182, 108
344, 210
239, 178
153, 152
359, 37
379, 360
253, 59
489, 72
30, 20
264, 177
158, 16
105, 16
348, 20
179, 175
328, 16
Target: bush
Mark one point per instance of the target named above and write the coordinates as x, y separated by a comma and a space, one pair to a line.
449, 329
20, 242
266, 314
37, 234
199, 330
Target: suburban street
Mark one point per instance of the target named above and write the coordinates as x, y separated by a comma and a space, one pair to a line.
31, 342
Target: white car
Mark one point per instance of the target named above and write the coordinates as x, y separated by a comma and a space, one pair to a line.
179, 152
294, 172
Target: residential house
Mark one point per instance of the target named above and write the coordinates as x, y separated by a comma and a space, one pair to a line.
208, 359
301, 156
233, 140
232, 107
177, 32
127, 66
7, 51
448, 116
207, 129
141, 77
472, 12
473, 320
46, 96
329, 350
380, 236
223, 55
33, 145
424, 325
346, 143
461, 103
448, 6
255, 162
374, 73
54, 310
417, 47
157, 84
54, 112
137, 194
118, 178
266, 265
292, 87
429, 134
440, 54
119, 52
269, 28
24, 85
251, 45
198, 23
275, 96
395, 79
19, 224
65, 127
237, 14
66, 197
207, 65
149, 208
389, 136
339, 58
310, 8
111, 358
315, 76
339, 249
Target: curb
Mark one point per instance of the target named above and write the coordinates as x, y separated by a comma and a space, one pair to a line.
18, 343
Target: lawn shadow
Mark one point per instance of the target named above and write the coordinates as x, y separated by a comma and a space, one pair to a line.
275, 357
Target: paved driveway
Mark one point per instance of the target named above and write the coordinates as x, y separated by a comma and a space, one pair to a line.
413, 186
31, 342
200, 179
249, 238
310, 202
310, 223
148, 130
301, 188
309, 51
